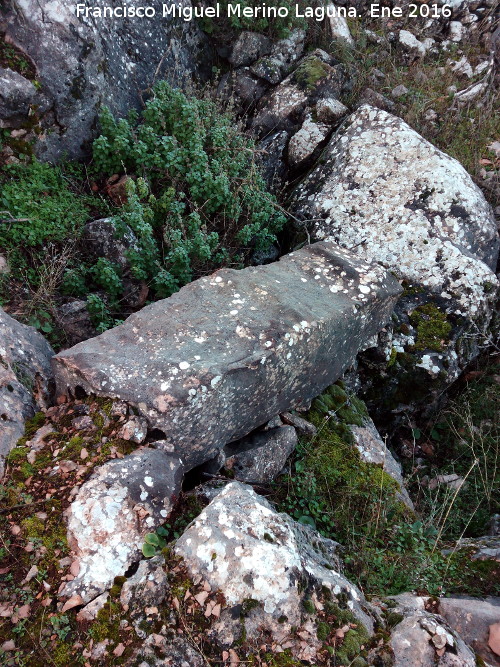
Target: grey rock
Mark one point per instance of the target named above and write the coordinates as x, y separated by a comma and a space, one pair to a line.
423, 218
248, 47
122, 501
242, 547
495, 525
170, 651
330, 111
317, 76
304, 143
482, 548
471, 619
16, 96
340, 30
375, 99
135, 430
261, 457
230, 351
283, 54
302, 426
100, 239
399, 91
74, 319
417, 638
241, 88
83, 63
26, 379
146, 588
372, 449
271, 160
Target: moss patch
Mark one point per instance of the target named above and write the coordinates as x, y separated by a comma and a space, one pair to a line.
433, 328
310, 72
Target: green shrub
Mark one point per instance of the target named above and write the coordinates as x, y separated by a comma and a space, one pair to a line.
38, 208
198, 201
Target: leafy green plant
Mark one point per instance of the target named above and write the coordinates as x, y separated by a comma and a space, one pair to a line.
197, 201
154, 542
38, 208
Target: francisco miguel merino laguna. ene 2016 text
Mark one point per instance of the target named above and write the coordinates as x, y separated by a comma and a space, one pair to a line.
188, 13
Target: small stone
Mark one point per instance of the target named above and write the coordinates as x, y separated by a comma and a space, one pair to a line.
9, 645
399, 91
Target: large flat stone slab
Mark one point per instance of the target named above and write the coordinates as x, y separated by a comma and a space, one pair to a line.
230, 351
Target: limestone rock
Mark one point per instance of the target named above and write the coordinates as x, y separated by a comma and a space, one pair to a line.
147, 587
248, 47
472, 619
329, 111
339, 29
317, 76
16, 95
25, 379
304, 142
389, 195
260, 457
302, 426
283, 54
411, 45
122, 501
423, 639
243, 548
423, 218
230, 351
160, 651
372, 449
83, 63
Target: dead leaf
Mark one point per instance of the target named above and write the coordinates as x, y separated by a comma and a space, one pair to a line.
201, 598
75, 568
494, 639
33, 571
83, 455
119, 650
233, 657
74, 601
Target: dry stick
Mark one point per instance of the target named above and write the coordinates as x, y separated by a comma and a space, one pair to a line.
6, 510
451, 505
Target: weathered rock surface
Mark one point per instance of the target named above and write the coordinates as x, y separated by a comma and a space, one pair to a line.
389, 195
245, 549
423, 639
260, 457
230, 351
147, 587
248, 47
317, 76
16, 95
407, 204
472, 619
25, 379
304, 142
372, 449
112, 512
82, 63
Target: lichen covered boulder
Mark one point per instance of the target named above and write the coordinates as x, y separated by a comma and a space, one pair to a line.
26, 379
84, 61
390, 196
113, 511
232, 350
274, 570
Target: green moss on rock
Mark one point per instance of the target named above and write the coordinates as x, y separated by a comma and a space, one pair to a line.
433, 328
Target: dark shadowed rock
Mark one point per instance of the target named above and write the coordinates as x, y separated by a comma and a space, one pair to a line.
25, 379
232, 350
249, 47
82, 63
260, 457
112, 512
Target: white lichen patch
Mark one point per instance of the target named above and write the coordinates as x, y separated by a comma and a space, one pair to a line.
241, 546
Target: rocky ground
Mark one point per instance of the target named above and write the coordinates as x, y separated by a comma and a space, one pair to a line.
283, 446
